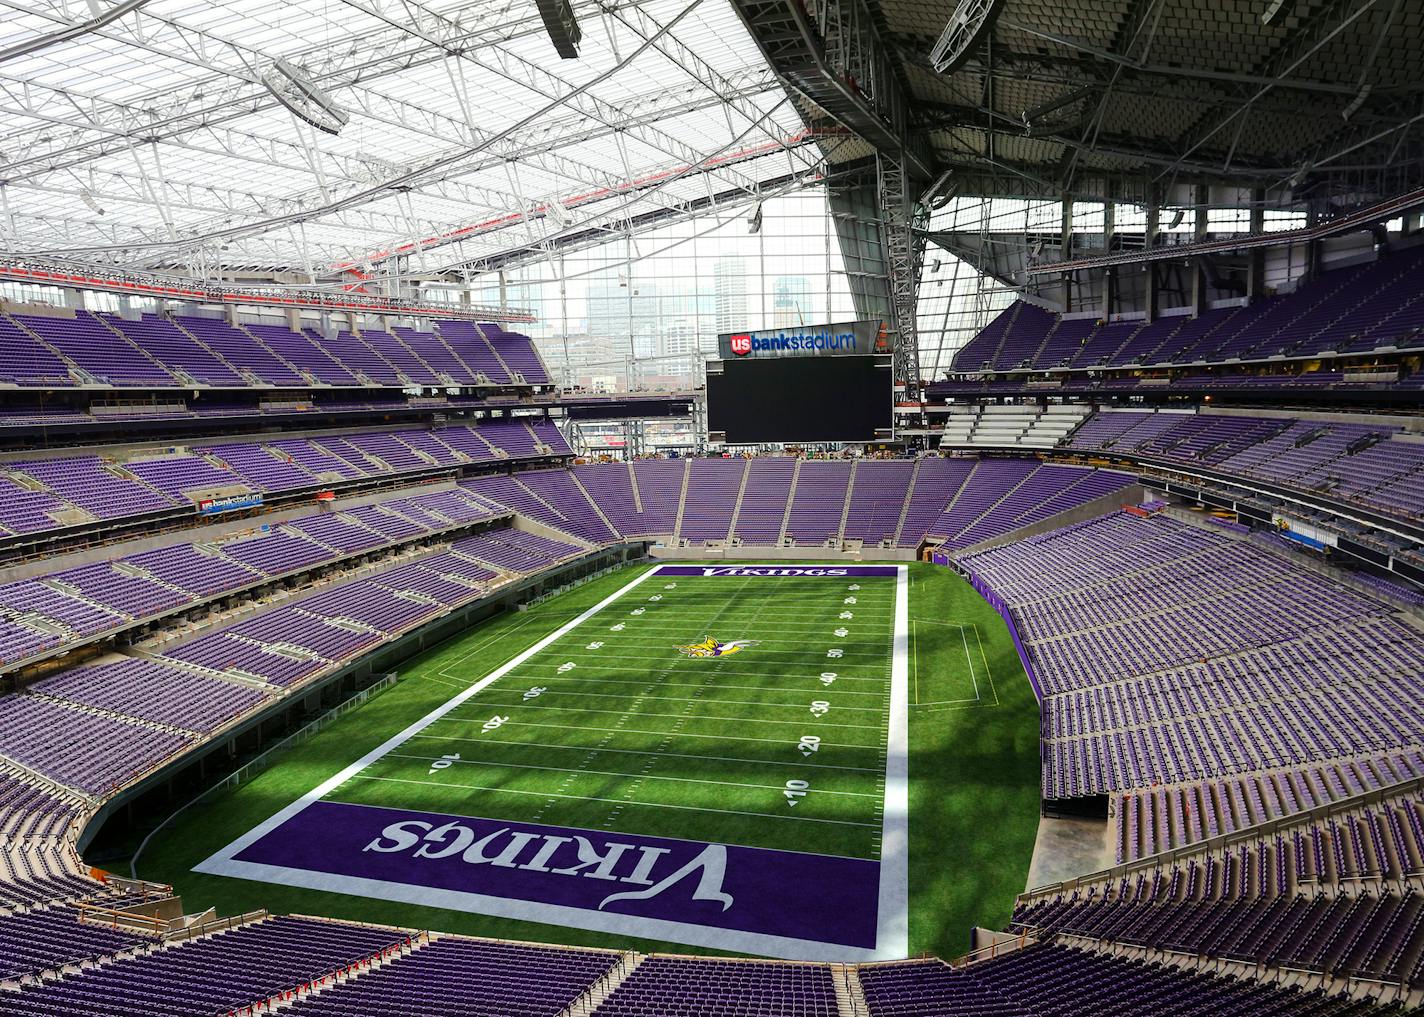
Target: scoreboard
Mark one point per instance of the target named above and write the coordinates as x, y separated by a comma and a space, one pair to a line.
845, 398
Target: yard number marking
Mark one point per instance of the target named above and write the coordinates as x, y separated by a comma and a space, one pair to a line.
535, 692
443, 763
494, 723
819, 708
809, 744
828, 677
795, 789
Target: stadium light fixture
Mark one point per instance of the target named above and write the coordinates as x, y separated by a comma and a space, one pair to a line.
562, 26
754, 221
1272, 9
87, 196
968, 25
308, 101
1177, 219
1356, 102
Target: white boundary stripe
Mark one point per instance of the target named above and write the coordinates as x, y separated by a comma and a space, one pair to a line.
892, 934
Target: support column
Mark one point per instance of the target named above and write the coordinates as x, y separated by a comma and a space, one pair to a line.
1199, 201
904, 222
1256, 257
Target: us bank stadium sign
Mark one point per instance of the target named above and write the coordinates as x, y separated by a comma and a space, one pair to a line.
842, 339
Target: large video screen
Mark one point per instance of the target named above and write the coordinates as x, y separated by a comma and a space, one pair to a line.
800, 399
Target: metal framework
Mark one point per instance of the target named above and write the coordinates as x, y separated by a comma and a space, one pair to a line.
151, 140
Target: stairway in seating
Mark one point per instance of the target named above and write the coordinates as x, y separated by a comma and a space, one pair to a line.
737, 505
845, 506
790, 500
850, 995
681, 500
604, 987
905, 505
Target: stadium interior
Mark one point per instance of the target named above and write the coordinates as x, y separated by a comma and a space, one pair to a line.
711, 508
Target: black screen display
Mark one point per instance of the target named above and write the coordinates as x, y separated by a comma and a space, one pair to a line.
800, 399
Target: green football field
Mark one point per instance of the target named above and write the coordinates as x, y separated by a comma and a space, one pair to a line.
609, 724
613, 727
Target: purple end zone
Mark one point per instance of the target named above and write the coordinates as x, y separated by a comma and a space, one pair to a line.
819, 898
773, 571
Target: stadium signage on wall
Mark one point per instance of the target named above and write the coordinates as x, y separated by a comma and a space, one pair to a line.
772, 571
230, 503
840, 339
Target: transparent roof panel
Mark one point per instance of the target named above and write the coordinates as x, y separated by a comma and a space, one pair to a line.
153, 141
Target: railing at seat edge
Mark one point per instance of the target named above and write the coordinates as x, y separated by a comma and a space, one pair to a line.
1245, 833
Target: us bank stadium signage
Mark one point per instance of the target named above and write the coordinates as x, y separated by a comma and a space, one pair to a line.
846, 338
231, 503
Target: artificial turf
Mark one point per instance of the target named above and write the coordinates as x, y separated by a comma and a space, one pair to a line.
638, 737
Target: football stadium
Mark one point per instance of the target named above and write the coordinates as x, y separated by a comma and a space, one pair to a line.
711, 508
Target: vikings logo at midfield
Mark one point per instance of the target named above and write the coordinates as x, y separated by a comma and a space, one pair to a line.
710, 647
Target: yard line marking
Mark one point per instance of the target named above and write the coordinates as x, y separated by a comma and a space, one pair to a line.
702, 661
534, 704
426, 760
644, 752
222, 862
688, 734
702, 685
705, 702
800, 818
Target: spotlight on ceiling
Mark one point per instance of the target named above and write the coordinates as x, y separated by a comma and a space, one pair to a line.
1272, 9
968, 25
561, 25
87, 196
939, 193
754, 221
294, 89
1177, 219
1356, 103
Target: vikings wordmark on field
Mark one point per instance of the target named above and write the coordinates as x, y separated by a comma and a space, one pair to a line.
788, 846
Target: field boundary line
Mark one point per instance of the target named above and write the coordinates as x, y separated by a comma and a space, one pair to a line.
219, 862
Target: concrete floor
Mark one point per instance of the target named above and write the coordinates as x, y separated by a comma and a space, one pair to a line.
1066, 848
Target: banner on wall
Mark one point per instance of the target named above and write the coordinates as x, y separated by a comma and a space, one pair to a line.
847, 338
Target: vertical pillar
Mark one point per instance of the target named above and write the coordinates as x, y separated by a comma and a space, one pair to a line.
1256, 257
1201, 195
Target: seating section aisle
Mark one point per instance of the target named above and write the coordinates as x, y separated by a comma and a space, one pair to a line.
46, 614
1042, 980
1356, 309
453, 977
1334, 892
1376, 466
66, 490
691, 987
1168, 654
217, 974
187, 352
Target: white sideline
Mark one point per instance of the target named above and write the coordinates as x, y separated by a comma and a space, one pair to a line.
892, 933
